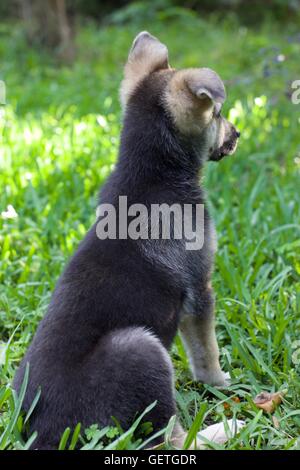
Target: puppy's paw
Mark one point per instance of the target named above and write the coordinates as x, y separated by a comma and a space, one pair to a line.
216, 378
225, 382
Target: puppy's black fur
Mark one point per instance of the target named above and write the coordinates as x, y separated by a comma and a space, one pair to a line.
92, 354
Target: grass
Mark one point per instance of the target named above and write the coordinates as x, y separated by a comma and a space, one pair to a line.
59, 138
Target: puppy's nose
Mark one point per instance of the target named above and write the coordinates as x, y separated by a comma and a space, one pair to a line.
237, 134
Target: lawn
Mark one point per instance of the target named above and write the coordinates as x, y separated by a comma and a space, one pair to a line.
59, 135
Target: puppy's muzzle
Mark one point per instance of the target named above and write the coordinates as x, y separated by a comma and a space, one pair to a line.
228, 147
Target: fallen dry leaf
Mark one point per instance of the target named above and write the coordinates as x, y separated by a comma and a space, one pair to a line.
269, 401
227, 405
214, 433
217, 432
236, 399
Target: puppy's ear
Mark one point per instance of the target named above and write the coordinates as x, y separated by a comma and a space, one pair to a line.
192, 96
147, 54
205, 84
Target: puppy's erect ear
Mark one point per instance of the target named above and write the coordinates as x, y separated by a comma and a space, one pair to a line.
192, 96
205, 84
147, 54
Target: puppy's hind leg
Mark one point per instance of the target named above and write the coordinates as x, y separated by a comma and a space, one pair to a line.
134, 370
126, 371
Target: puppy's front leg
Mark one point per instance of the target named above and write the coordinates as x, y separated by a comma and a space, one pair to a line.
199, 338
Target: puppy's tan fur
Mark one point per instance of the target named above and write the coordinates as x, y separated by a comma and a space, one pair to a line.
190, 112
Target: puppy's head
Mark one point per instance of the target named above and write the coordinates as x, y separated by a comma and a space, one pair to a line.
191, 98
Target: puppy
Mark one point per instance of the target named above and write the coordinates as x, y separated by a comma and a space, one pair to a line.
102, 348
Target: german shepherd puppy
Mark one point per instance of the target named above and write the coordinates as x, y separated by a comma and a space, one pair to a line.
102, 348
